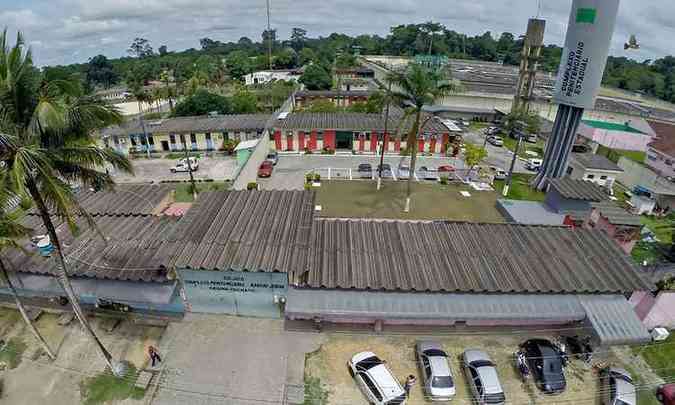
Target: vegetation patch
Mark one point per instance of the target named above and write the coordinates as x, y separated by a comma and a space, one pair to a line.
660, 357
105, 387
12, 351
315, 393
520, 189
183, 193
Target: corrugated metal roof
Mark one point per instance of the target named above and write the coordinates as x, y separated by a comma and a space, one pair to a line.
333, 93
354, 122
198, 124
614, 320
124, 200
595, 162
253, 230
579, 189
466, 257
616, 215
392, 305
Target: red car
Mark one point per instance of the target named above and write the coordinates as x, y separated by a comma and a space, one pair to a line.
666, 394
265, 169
445, 169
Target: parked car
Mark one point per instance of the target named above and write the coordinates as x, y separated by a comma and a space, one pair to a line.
365, 171
546, 364
581, 148
182, 165
495, 140
617, 388
386, 170
481, 374
403, 171
375, 380
265, 169
463, 122
273, 157
428, 173
438, 384
666, 394
498, 172
531, 138
492, 131
445, 169
533, 164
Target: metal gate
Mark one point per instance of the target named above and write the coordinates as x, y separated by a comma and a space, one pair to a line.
255, 294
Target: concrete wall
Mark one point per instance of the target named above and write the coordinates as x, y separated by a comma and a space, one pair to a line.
600, 177
661, 163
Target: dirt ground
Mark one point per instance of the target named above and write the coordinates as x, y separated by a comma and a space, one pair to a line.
37, 380
330, 365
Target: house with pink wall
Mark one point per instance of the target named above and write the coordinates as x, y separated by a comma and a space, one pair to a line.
617, 223
656, 310
627, 136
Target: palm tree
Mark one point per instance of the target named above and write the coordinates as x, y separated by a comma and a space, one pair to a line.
10, 230
46, 144
417, 87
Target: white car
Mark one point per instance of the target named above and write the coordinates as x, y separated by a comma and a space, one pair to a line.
375, 380
182, 165
498, 172
533, 164
481, 374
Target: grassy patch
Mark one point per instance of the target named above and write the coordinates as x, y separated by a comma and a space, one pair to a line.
645, 393
105, 387
360, 199
181, 155
315, 394
477, 126
12, 351
660, 357
183, 193
647, 252
615, 154
510, 144
660, 227
520, 189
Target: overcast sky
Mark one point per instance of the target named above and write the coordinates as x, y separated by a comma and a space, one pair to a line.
66, 31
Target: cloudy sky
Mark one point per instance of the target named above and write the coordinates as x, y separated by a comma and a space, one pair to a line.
66, 31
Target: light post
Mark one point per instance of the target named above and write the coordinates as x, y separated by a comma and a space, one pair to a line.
518, 130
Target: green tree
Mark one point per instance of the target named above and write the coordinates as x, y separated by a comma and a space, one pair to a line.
163, 50
237, 64
316, 77
140, 48
100, 72
202, 103
322, 106
285, 59
298, 38
244, 102
418, 87
46, 132
473, 155
346, 61
306, 56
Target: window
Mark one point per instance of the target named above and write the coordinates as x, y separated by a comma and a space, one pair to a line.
193, 138
652, 157
182, 139
207, 136
371, 386
603, 177
569, 170
427, 366
590, 176
367, 136
172, 138
319, 136
151, 140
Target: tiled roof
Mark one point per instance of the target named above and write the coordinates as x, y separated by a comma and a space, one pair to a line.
354, 122
466, 257
252, 230
616, 215
665, 138
200, 124
131, 249
595, 162
125, 200
579, 189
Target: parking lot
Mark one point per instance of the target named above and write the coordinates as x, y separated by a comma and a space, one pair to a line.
498, 156
329, 364
218, 168
289, 173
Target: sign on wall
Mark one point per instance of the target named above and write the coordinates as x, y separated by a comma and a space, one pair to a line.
589, 35
233, 292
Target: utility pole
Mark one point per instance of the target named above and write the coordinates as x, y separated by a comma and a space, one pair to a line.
269, 36
509, 179
386, 123
192, 178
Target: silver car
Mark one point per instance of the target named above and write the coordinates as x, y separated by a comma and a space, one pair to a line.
438, 384
481, 374
617, 387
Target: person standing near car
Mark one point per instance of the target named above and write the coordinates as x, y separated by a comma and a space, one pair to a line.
154, 355
409, 383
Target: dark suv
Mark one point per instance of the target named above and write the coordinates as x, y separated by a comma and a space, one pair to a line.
546, 363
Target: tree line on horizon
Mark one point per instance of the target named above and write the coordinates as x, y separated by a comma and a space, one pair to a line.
222, 61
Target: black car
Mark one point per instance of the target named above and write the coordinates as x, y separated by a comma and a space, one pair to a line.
386, 169
546, 363
365, 170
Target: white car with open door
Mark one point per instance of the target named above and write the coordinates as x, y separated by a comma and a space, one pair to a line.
375, 380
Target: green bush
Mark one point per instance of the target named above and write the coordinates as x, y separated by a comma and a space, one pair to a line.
444, 180
328, 151
26, 203
252, 186
308, 186
308, 151
317, 177
309, 177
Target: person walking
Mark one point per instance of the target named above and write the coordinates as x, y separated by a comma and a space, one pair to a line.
409, 383
154, 355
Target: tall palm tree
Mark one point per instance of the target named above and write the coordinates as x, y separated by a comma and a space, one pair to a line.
417, 86
46, 145
10, 231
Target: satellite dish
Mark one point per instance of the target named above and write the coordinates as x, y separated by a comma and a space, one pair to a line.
632, 43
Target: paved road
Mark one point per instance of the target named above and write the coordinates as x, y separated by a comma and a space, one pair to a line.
497, 156
156, 170
217, 359
289, 173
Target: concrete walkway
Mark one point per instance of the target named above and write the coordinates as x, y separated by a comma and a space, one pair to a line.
217, 359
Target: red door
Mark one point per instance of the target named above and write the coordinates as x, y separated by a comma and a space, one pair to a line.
373, 141
385, 144
362, 142
432, 145
397, 145
444, 145
277, 140
289, 142
420, 145
329, 139
301, 140
312, 140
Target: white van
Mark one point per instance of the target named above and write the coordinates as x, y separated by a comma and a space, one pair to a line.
533, 164
375, 380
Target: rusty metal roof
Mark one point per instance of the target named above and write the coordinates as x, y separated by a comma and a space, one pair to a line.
617, 215
466, 257
579, 189
355, 122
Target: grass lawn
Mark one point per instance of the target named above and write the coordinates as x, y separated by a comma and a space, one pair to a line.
105, 388
520, 188
659, 226
510, 144
477, 126
181, 155
360, 199
660, 357
183, 189
615, 154
11, 353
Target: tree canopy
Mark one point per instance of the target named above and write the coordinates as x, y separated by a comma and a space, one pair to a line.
316, 77
202, 103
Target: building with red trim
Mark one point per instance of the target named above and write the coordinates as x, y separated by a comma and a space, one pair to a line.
358, 132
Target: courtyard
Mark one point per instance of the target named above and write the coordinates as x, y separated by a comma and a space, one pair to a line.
218, 168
